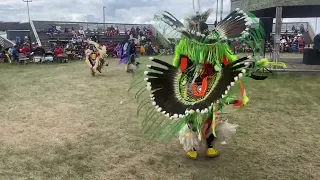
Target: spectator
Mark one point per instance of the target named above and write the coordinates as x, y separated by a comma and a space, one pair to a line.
108, 31
117, 30
73, 32
112, 28
10, 51
133, 32
81, 32
39, 51
142, 50
58, 28
15, 53
88, 31
150, 34
293, 28
51, 31
25, 50
145, 30
301, 44
66, 30
126, 31
58, 51
302, 30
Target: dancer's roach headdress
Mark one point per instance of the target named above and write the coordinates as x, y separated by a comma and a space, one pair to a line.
204, 69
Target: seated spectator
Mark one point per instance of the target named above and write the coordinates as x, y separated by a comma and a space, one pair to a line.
145, 30
141, 33
126, 31
117, 30
58, 28
68, 50
51, 31
73, 32
112, 28
81, 32
293, 28
25, 50
58, 51
107, 33
39, 51
66, 30
88, 31
133, 32
302, 30
10, 51
149, 31
15, 53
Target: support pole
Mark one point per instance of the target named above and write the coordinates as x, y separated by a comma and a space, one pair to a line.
30, 40
104, 18
217, 12
316, 26
221, 9
276, 51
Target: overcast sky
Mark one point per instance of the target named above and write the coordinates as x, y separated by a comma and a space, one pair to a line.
122, 11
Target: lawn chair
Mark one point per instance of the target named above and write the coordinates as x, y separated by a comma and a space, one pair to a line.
23, 59
36, 58
48, 57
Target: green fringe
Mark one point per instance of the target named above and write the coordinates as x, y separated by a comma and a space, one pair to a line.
200, 52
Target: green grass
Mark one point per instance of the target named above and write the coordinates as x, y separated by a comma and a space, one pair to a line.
58, 122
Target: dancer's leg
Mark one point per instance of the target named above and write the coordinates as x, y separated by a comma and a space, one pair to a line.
211, 152
189, 140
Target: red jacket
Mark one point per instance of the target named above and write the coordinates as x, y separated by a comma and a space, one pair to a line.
58, 51
25, 50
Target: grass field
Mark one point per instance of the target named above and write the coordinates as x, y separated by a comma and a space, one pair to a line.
58, 122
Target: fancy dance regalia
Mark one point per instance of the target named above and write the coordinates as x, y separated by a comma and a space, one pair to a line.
96, 58
187, 97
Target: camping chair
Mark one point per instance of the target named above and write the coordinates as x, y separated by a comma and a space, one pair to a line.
22, 59
48, 57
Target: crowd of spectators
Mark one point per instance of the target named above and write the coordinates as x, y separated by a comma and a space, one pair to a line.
71, 32
79, 37
13, 53
134, 32
291, 42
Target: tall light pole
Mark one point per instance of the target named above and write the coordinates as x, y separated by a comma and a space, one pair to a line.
217, 13
221, 9
28, 1
104, 17
316, 25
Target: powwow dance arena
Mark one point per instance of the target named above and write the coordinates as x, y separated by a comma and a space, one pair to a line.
202, 113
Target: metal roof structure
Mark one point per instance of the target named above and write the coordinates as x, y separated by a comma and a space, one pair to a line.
290, 8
